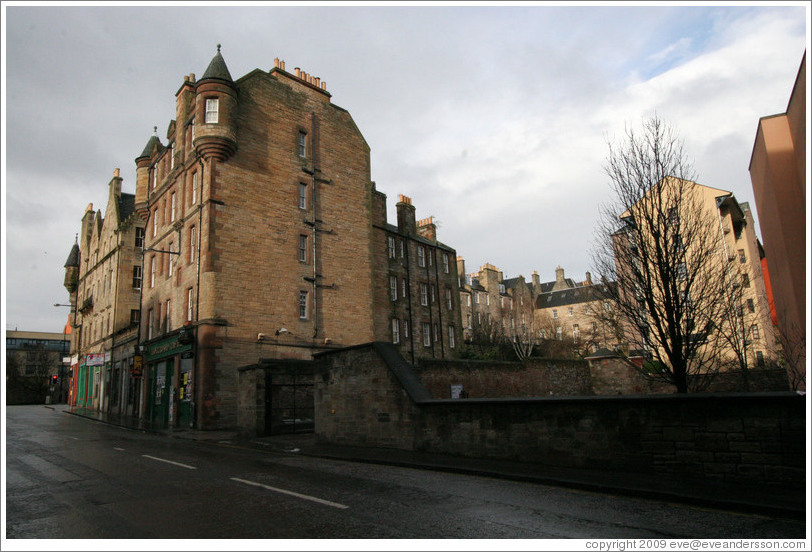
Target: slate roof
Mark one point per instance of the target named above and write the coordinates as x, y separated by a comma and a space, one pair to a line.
73, 257
126, 207
546, 287
151, 145
511, 283
217, 69
572, 296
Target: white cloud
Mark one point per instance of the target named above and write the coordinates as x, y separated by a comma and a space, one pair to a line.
493, 119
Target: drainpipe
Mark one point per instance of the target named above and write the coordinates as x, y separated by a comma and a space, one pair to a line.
409, 296
316, 169
439, 303
198, 389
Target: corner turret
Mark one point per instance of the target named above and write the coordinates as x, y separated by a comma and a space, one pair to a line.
143, 175
72, 268
215, 111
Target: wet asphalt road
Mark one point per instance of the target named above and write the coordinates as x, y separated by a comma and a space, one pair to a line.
69, 477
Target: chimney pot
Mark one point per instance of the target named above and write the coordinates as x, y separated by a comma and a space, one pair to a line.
276, 62
116, 173
297, 72
282, 65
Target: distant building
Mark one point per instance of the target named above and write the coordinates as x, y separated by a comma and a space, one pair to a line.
580, 312
34, 368
778, 172
493, 308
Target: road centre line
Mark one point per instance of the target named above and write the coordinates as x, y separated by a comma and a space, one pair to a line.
188, 467
291, 493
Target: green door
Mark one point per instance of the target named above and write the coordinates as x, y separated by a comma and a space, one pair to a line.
81, 387
160, 388
85, 390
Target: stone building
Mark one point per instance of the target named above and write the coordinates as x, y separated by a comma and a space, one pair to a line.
267, 242
417, 291
778, 173
493, 308
103, 277
578, 312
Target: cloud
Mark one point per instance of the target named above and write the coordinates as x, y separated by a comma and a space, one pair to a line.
492, 118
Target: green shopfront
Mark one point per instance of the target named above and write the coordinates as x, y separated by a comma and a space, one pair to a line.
169, 365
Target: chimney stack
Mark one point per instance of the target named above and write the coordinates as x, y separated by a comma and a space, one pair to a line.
406, 220
560, 282
427, 228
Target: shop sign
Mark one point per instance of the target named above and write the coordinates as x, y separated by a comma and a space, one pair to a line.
187, 354
94, 359
167, 347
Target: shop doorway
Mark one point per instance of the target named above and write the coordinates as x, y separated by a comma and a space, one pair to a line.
161, 392
185, 393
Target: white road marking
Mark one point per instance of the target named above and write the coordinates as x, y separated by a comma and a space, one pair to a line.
188, 467
291, 493
117, 448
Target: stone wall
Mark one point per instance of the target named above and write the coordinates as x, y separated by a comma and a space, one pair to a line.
494, 379
617, 376
367, 395
360, 401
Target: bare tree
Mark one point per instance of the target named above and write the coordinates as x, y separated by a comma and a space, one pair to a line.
659, 243
523, 339
486, 340
734, 333
793, 356
553, 342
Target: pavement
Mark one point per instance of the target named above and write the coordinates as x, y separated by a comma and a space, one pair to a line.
757, 498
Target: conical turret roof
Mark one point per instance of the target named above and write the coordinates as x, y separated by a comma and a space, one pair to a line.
152, 143
217, 69
73, 258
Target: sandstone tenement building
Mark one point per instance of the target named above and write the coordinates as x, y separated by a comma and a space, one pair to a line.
103, 276
256, 239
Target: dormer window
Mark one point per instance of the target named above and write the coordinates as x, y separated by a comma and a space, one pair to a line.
212, 109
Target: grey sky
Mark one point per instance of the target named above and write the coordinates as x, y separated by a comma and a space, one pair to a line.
493, 119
